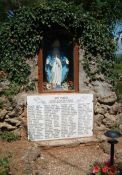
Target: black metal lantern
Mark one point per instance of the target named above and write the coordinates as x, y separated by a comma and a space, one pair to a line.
113, 135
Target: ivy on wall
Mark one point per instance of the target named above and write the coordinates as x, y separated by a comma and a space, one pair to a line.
21, 35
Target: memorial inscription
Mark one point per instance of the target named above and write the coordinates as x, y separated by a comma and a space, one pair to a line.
59, 116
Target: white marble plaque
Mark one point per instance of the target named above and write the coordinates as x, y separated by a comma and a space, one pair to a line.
59, 116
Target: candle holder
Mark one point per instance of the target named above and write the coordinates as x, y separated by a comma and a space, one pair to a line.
113, 135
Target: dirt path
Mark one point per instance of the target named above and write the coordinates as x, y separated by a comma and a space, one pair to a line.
28, 158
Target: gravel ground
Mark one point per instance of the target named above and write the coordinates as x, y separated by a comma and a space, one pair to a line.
72, 161
28, 158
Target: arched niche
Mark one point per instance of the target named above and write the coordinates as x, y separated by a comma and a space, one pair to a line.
58, 63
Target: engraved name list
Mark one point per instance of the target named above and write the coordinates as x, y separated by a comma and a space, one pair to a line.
59, 116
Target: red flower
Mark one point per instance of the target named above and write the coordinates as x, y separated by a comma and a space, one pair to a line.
113, 169
105, 169
95, 169
108, 164
111, 173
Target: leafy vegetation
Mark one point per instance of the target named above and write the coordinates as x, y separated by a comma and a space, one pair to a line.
9, 6
91, 25
4, 166
8, 136
105, 168
11, 90
118, 67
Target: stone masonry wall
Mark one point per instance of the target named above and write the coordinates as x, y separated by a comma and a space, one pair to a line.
107, 111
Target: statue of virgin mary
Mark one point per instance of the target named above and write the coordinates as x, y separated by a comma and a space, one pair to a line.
56, 70
56, 66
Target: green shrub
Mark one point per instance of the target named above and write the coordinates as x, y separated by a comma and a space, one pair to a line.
118, 68
8, 136
13, 89
30, 86
4, 166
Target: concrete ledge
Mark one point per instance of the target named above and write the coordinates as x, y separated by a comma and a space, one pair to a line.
70, 142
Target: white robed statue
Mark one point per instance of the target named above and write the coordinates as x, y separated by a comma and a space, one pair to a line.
56, 67
56, 71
